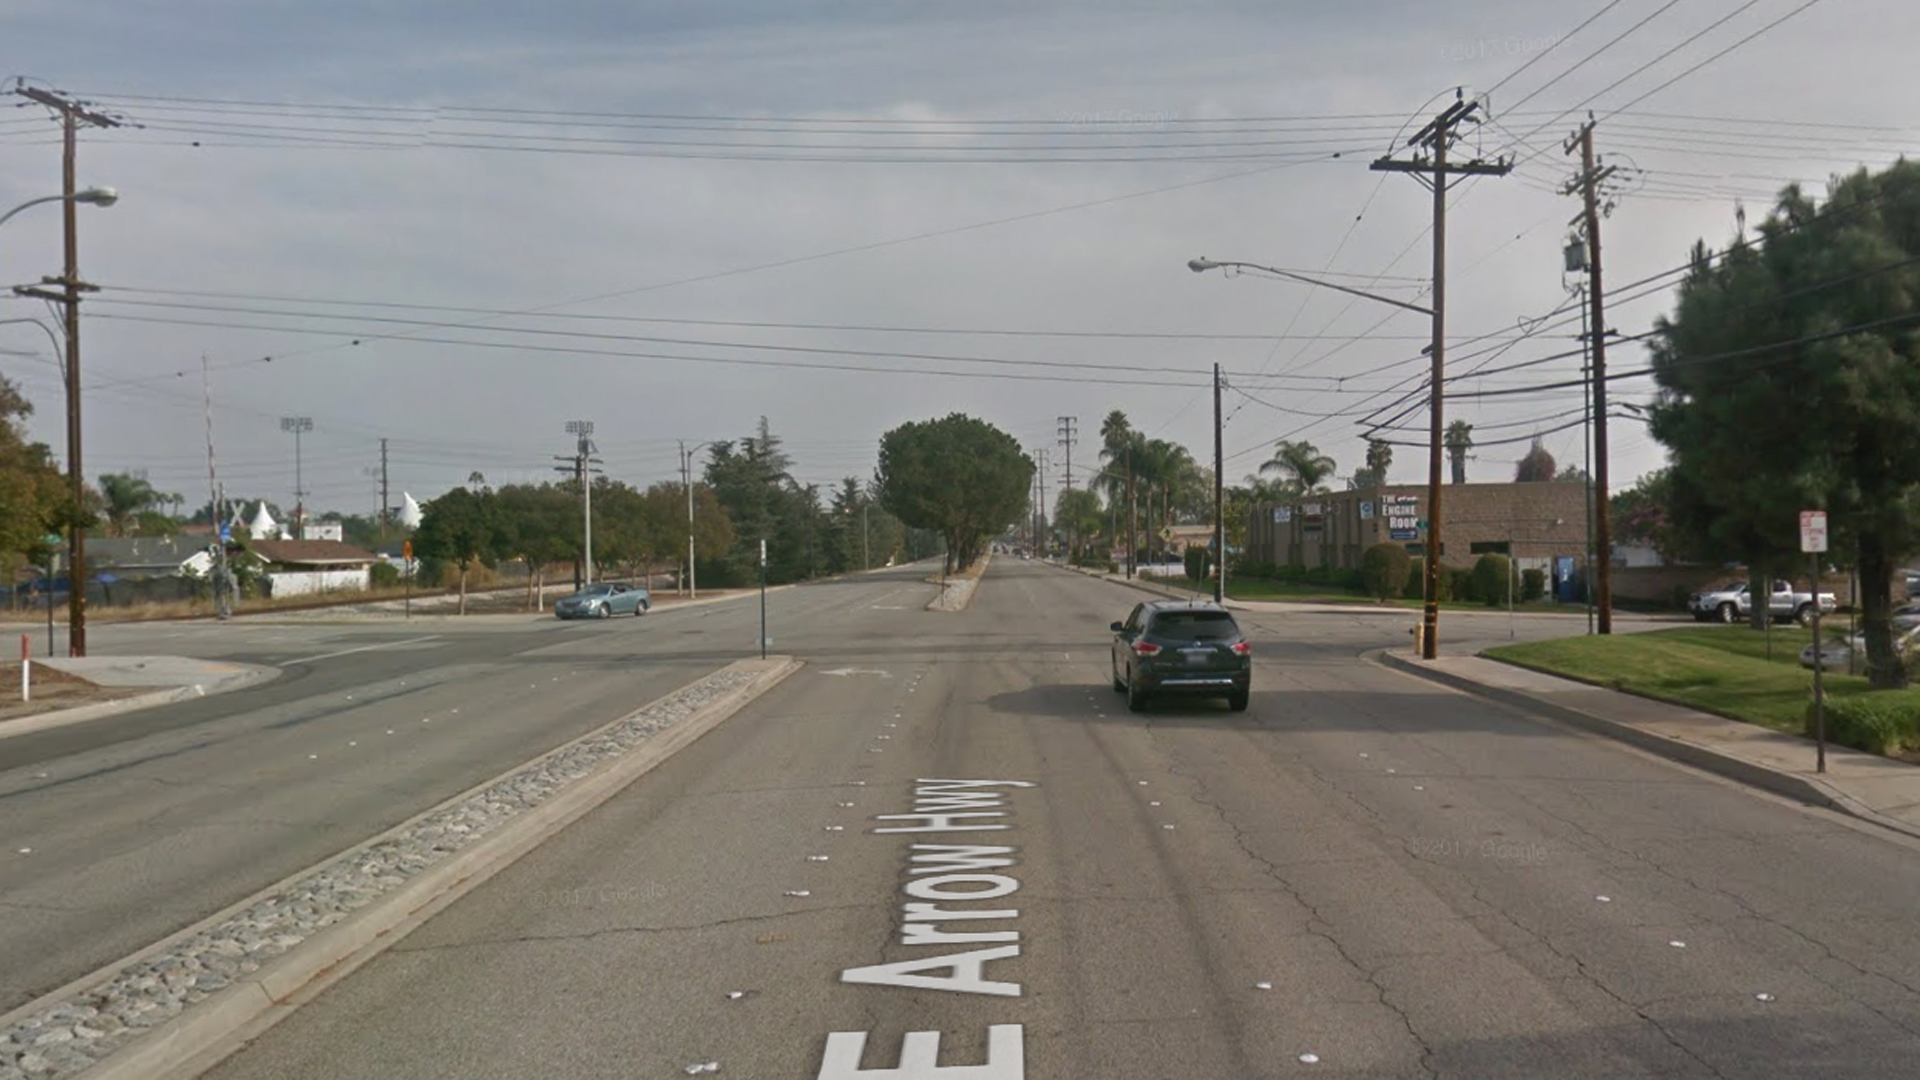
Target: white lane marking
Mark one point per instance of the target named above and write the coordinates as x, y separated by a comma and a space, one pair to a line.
859, 671
361, 649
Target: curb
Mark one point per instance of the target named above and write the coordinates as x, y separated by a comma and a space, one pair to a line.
207, 1032
252, 675
1135, 583
972, 585
1800, 789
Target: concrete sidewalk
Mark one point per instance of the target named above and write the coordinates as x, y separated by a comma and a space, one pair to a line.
173, 678
1876, 789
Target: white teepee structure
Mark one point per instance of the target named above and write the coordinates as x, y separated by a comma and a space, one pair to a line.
409, 512
263, 527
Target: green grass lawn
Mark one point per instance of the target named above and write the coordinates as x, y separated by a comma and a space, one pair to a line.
1718, 669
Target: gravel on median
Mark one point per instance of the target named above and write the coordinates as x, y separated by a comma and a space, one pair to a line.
67, 1036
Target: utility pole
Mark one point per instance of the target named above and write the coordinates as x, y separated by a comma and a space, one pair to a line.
1133, 518
1069, 436
1219, 498
299, 425
686, 481
1588, 184
1433, 169
386, 494
581, 464
222, 597
72, 115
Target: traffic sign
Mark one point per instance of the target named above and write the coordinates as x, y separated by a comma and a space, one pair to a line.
1813, 531
406, 550
51, 540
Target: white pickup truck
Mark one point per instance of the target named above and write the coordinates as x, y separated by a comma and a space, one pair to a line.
1732, 604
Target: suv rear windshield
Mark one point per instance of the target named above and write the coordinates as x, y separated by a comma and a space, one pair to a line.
1196, 625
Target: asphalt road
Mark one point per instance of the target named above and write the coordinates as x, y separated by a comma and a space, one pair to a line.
139, 825
1364, 876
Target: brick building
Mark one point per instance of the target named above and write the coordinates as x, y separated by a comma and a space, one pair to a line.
1534, 522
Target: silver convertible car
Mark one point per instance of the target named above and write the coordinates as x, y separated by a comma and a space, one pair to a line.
603, 601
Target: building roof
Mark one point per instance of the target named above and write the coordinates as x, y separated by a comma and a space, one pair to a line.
142, 552
310, 552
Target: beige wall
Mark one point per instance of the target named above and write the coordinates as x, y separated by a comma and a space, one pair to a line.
1541, 520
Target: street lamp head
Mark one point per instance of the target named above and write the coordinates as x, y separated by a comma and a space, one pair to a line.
1202, 264
98, 196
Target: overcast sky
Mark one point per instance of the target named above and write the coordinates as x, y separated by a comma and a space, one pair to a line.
347, 155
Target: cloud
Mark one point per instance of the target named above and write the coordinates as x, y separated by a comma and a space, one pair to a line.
498, 229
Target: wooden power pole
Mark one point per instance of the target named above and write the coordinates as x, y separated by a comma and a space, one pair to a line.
1588, 185
1432, 169
72, 115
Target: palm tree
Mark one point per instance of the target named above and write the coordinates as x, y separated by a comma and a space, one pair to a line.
1302, 464
1459, 440
124, 496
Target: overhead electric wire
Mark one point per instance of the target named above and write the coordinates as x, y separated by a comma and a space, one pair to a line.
1556, 43
1583, 61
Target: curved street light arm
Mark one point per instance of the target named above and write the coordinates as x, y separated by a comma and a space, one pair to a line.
1202, 265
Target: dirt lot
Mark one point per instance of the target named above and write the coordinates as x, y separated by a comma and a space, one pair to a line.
53, 690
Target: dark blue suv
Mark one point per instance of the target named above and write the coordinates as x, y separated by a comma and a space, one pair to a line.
1182, 647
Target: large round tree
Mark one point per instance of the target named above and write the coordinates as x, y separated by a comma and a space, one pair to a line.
960, 477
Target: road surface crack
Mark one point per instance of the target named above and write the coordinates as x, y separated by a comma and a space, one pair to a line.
1316, 924
605, 931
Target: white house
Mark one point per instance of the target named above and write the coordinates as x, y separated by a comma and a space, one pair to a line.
303, 567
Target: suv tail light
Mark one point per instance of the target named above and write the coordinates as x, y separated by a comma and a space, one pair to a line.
1242, 648
1145, 648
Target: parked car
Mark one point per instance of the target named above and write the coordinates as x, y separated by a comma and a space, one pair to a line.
1181, 647
1731, 603
603, 601
1841, 655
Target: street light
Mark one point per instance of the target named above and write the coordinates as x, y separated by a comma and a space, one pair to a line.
93, 196
69, 297
1203, 264
1430, 617
686, 477
299, 425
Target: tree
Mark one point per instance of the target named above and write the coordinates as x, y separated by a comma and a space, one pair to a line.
1789, 379
1458, 442
1571, 474
33, 496
463, 528
1304, 468
1537, 466
1078, 514
539, 524
1379, 459
752, 479
123, 497
1641, 515
667, 508
959, 476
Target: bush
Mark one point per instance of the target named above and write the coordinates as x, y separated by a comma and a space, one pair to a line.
1457, 584
1318, 575
1493, 579
1879, 722
1113, 567
1383, 570
383, 575
1533, 584
1416, 579
1353, 581
1199, 561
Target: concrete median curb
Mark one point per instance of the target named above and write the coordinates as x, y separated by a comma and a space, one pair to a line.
248, 675
205, 1032
1812, 791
